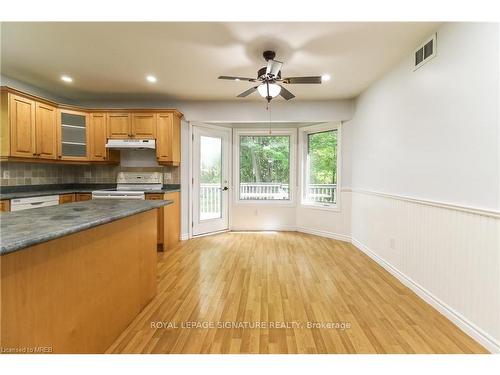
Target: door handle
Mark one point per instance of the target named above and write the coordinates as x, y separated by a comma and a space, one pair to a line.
225, 188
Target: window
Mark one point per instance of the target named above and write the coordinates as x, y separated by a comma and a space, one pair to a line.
264, 167
320, 165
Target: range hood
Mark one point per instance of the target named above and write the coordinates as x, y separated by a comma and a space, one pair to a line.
131, 144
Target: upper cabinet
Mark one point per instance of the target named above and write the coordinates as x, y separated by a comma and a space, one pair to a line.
46, 131
31, 129
144, 125
168, 138
97, 136
119, 125
22, 127
73, 135
131, 125
35, 128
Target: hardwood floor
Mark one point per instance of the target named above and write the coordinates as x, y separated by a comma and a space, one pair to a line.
286, 277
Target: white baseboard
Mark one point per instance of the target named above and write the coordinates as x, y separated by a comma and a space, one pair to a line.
323, 233
277, 228
489, 342
184, 237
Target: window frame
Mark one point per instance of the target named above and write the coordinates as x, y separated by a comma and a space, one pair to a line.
304, 132
237, 133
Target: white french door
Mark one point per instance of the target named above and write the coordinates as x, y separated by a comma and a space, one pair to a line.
210, 198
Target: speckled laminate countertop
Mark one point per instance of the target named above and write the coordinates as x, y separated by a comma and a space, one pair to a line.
25, 228
43, 190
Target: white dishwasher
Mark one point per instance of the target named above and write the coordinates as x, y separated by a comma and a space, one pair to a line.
19, 204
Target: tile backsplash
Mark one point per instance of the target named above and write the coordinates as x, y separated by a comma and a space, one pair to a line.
20, 173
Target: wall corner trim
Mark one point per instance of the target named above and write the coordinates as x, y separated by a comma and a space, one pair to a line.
483, 338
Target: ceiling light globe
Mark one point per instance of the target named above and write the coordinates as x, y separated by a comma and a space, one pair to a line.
274, 90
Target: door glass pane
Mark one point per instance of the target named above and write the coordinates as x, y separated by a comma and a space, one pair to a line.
210, 178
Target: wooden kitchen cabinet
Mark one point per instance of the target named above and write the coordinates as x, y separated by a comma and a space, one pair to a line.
119, 125
131, 125
73, 135
66, 198
169, 219
144, 125
5, 205
22, 126
168, 139
97, 136
172, 220
160, 231
81, 197
45, 131
32, 128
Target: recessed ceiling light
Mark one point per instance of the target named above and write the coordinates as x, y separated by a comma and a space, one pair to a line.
151, 79
67, 79
236, 79
325, 77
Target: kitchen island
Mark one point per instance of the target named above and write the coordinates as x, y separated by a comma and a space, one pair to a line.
74, 276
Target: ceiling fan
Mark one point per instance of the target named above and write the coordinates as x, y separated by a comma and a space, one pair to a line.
269, 78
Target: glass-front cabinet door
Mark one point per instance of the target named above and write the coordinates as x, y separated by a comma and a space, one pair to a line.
73, 135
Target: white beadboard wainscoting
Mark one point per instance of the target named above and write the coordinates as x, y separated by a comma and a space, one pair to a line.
449, 255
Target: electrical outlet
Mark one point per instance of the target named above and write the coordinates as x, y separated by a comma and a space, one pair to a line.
392, 243
5, 174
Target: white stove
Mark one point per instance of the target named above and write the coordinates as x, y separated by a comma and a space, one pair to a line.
132, 185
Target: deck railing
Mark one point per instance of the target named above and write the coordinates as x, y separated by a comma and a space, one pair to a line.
210, 195
325, 193
263, 191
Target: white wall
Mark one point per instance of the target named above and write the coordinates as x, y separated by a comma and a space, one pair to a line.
243, 110
433, 135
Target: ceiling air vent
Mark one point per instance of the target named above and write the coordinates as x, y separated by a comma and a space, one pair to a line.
425, 52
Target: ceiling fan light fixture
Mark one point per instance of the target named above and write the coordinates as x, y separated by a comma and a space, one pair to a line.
274, 90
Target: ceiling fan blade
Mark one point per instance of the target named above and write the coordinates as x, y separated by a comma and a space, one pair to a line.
238, 78
273, 67
287, 95
248, 92
293, 80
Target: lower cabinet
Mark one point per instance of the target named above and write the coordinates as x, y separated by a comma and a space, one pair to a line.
80, 197
66, 198
169, 218
172, 220
5, 205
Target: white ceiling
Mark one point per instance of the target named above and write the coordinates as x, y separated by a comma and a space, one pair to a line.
109, 61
